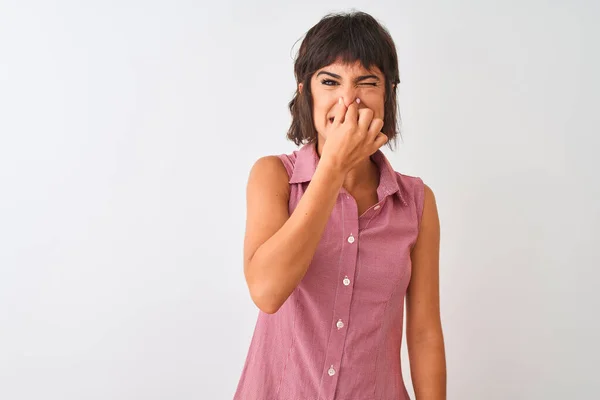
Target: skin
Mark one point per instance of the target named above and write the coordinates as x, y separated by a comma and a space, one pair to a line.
278, 247
350, 82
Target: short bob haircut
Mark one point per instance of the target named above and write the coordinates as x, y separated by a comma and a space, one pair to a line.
345, 37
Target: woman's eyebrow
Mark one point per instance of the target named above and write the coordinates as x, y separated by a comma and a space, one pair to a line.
358, 79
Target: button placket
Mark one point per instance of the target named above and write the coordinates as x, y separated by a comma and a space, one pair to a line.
343, 298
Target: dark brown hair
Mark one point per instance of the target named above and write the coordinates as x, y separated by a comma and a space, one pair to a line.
346, 37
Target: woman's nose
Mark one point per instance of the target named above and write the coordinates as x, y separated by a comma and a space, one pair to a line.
349, 96
348, 100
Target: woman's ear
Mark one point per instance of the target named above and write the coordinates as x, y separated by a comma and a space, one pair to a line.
300, 85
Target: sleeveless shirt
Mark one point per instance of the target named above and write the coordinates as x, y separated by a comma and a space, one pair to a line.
338, 335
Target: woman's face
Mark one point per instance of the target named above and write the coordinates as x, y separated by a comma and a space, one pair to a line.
349, 82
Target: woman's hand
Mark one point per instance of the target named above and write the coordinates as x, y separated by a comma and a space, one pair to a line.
352, 136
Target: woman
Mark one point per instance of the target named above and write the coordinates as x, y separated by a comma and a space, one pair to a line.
336, 239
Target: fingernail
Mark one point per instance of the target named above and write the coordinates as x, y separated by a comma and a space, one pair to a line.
340, 100
358, 100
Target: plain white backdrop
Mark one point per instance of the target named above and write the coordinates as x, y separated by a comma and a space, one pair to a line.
127, 131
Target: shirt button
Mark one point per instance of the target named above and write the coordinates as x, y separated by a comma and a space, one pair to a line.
351, 239
377, 207
331, 371
339, 324
346, 281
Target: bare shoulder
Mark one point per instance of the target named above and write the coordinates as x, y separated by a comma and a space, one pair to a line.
428, 197
269, 171
429, 226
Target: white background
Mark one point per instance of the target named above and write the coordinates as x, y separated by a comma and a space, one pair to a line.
128, 128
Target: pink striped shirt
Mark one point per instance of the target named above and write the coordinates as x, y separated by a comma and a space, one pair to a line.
338, 335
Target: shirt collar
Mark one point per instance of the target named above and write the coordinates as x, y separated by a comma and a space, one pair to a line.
307, 159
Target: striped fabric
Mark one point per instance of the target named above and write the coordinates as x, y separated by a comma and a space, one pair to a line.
338, 335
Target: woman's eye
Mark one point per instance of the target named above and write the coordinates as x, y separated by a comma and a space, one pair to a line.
328, 82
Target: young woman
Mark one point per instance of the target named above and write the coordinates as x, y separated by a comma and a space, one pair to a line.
336, 240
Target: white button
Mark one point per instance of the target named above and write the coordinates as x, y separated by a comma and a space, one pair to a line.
377, 207
346, 281
331, 371
339, 324
351, 239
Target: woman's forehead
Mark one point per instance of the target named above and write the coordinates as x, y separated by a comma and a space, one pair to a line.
349, 69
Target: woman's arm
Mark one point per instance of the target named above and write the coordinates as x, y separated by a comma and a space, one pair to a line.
278, 248
423, 325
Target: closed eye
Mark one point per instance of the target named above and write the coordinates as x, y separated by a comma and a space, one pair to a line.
329, 82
